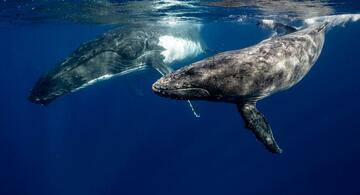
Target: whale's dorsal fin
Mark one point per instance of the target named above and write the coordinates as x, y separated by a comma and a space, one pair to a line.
279, 28
257, 123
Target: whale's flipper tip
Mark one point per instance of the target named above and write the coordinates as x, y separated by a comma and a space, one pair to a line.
257, 123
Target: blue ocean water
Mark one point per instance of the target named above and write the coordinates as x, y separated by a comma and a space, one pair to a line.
118, 137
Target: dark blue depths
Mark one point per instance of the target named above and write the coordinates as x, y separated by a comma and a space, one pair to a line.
117, 137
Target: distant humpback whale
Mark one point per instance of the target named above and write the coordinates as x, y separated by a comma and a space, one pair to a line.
247, 75
115, 53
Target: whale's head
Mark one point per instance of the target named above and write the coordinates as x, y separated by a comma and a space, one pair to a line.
77, 72
188, 83
47, 89
80, 71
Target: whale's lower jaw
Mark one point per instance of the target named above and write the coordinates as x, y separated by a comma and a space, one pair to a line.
39, 95
43, 102
183, 94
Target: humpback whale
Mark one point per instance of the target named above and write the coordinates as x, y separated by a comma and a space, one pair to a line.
118, 52
245, 76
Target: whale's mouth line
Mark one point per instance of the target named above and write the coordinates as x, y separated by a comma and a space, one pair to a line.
187, 93
44, 101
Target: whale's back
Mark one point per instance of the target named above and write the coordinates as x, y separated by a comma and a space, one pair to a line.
258, 71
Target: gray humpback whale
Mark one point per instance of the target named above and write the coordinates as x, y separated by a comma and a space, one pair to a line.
115, 53
247, 75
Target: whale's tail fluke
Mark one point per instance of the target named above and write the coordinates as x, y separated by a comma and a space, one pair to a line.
257, 123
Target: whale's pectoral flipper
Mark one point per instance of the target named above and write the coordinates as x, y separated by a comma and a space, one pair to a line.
257, 123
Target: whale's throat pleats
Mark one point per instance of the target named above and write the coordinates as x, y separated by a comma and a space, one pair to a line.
257, 123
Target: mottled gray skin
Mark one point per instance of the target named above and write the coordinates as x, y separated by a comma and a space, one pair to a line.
117, 52
247, 75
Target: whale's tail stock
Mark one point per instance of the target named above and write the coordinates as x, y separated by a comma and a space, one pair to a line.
277, 27
325, 22
333, 20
